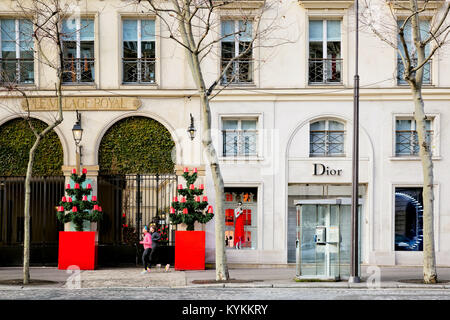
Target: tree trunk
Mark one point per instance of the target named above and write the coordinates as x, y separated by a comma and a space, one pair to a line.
26, 214
429, 259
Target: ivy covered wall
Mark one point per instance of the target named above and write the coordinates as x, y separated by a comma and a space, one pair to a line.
136, 145
16, 140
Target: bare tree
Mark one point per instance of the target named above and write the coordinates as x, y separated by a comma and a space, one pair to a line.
45, 40
195, 26
428, 31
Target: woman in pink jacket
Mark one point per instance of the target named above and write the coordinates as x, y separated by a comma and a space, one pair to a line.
147, 242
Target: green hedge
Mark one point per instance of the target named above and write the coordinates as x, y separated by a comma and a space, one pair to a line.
136, 145
16, 140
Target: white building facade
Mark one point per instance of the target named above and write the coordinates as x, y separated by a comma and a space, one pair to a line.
282, 134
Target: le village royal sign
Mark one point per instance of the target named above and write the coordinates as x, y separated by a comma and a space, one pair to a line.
112, 103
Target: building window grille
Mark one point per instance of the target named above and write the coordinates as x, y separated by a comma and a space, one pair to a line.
236, 39
139, 52
325, 62
406, 138
16, 51
326, 139
239, 138
78, 51
424, 27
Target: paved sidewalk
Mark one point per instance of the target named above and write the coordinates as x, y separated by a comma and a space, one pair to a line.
282, 277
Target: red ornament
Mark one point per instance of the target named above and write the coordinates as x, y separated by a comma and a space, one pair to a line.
69, 199
60, 208
94, 198
183, 200
175, 199
84, 171
180, 186
126, 226
95, 207
84, 198
99, 208
124, 215
74, 209
185, 211
88, 186
210, 209
77, 186
195, 170
192, 187
202, 187
205, 199
74, 171
186, 169
172, 210
68, 186
197, 199
64, 199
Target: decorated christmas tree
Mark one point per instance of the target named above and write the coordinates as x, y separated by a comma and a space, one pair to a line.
79, 205
190, 205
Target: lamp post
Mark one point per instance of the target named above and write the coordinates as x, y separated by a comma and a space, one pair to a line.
77, 132
354, 258
191, 129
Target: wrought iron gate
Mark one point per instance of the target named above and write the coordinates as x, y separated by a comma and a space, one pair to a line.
131, 201
46, 192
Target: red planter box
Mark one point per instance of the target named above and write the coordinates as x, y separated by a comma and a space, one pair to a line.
189, 250
77, 248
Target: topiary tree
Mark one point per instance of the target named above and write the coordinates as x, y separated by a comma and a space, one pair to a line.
77, 207
190, 208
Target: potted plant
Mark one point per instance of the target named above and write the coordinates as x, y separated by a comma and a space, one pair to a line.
188, 208
79, 247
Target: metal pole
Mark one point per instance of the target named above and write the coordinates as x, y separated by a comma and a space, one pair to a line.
354, 259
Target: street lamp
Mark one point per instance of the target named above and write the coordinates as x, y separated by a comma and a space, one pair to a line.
77, 132
191, 129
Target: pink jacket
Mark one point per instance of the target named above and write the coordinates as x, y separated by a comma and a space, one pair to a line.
147, 241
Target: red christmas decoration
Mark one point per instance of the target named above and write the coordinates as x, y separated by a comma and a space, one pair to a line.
124, 215
69, 199
74, 171
210, 209
84, 198
202, 187
185, 211
186, 169
84, 171
172, 210
77, 186
96, 207
60, 208
99, 208
175, 199
64, 199
94, 198
68, 186
197, 199
183, 200
74, 209
195, 170
191, 187
180, 187
205, 199
88, 186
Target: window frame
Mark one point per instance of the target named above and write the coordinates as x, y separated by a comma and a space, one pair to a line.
324, 41
326, 154
139, 51
236, 43
413, 143
18, 50
239, 129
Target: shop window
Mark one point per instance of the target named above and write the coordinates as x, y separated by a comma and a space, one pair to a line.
406, 138
244, 227
408, 219
78, 51
239, 137
16, 51
326, 138
139, 52
237, 41
424, 29
325, 62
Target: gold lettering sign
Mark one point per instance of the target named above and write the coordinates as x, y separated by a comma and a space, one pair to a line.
83, 103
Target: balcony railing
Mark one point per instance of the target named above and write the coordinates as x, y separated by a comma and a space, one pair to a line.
326, 143
240, 71
322, 71
78, 70
407, 142
401, 69
139, 70
239, 142
17, 71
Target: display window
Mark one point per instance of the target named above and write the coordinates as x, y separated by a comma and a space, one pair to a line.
240, 218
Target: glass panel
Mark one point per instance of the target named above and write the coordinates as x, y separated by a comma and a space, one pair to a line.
148, 30
87, 30
228, 29
307, 245
129, 30
8, 35
69, 29
318, 125
26, 39
315, 30
230, 124
335, 125
333, 30
345, 238
408, 219
403, 125
130, 50
248, 124
245, 31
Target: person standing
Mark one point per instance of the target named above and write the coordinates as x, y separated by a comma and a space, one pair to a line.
238, 226
147, 243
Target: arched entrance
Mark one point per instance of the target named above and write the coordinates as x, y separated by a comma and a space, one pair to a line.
47, 188
136, 184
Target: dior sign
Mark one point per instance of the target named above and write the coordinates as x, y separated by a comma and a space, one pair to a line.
320, 170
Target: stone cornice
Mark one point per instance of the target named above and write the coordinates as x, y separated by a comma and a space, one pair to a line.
326, 4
